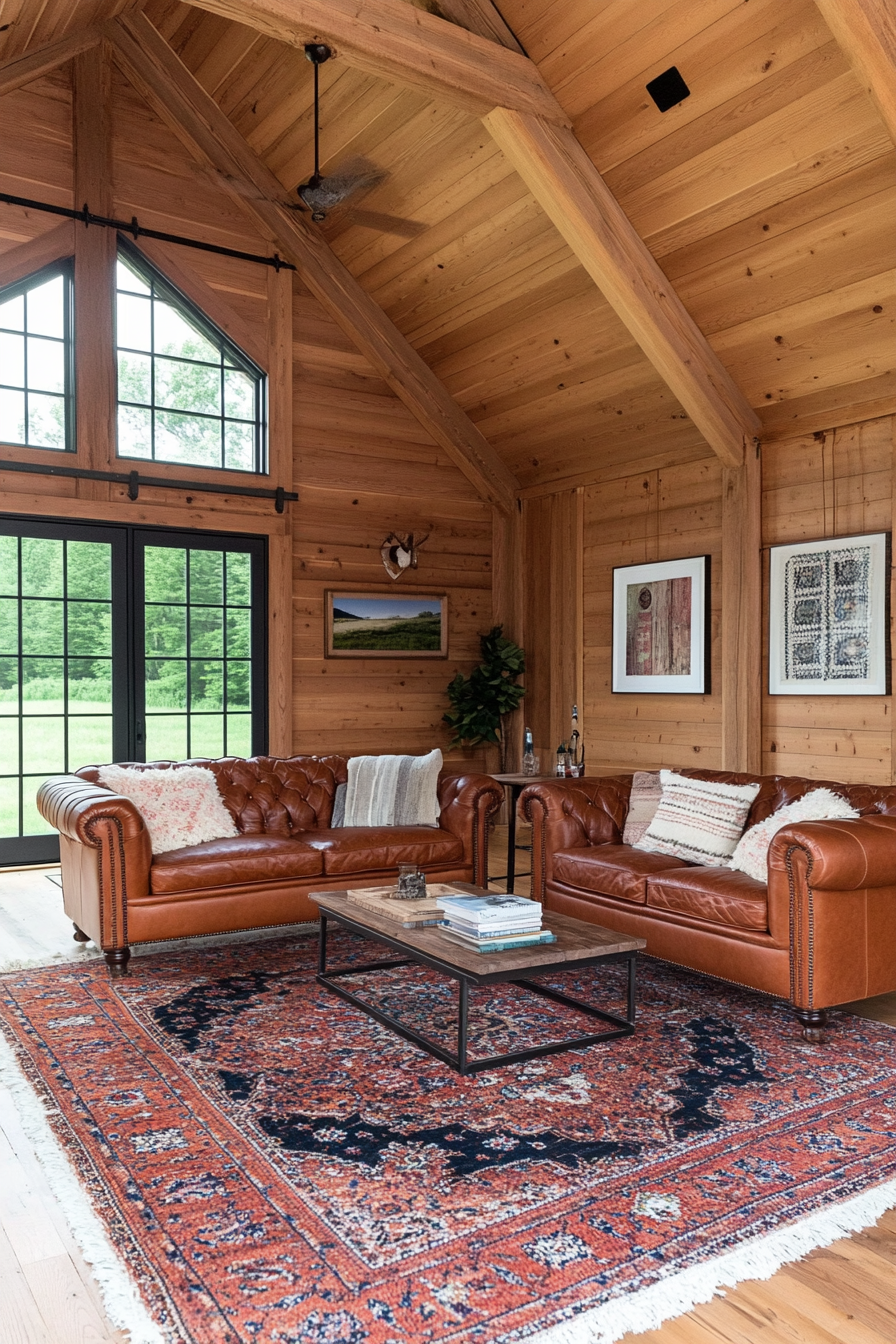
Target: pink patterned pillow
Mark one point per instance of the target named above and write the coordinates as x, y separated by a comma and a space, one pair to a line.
181, 806
642, 804
751, 855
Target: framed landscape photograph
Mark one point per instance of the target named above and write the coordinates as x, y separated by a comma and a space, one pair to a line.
829, 617
660, 627
384, 625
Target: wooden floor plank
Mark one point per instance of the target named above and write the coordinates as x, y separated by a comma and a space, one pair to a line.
69, 1314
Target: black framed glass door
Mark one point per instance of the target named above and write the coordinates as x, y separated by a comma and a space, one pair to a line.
201, 645
121, 643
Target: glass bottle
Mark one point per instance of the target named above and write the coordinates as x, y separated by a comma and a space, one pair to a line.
529, 766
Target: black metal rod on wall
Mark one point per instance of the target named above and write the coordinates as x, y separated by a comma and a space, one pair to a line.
136, 230
133, 480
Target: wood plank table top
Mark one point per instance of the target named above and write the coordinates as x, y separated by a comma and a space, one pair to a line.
576, 940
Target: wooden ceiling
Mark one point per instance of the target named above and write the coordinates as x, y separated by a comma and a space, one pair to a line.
768, 198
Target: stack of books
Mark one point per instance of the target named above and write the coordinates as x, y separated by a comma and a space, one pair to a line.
492, 923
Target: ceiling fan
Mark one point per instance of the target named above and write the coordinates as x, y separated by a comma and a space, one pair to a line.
321, 194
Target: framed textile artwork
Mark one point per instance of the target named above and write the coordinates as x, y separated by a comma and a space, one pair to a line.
828, 617
660, 627
385, 625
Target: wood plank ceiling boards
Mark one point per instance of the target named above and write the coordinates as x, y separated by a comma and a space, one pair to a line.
176, 96
390, 38
866, 30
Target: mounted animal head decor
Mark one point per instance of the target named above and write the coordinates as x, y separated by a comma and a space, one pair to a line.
400, 553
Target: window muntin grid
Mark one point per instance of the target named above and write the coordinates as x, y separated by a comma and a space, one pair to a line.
186, 393
55, 668
36, 360
197, 650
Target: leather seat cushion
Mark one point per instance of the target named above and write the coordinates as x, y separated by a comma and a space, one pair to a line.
233, 863
613, 870
364, 849
718, 895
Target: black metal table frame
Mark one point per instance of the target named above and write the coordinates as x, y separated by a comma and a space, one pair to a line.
459, 1061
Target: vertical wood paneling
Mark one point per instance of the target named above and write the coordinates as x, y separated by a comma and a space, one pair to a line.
741, 583
553, 626
834, 484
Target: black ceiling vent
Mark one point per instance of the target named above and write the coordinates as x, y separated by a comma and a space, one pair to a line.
668, 89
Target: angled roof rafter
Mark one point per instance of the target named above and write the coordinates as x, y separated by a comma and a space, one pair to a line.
194, 116
44, 60
866, 33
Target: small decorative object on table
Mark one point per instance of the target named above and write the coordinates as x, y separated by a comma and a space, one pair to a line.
531, 763
411, 883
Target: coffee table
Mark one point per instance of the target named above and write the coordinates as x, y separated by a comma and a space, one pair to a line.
578, 946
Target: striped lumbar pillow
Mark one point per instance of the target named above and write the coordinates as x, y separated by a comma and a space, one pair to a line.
698, 820
393, 790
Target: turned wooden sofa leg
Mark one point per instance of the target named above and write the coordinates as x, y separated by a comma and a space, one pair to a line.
813, 1022
79, 935
117, 959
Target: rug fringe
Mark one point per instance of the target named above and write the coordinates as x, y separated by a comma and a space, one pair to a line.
121, 1298
759, 1258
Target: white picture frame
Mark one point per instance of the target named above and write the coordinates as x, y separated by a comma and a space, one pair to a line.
828, 616
661, 627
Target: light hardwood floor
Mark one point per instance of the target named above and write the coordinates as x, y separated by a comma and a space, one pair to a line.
844, 1294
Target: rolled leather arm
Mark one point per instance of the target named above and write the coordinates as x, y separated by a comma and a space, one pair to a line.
843, 855
570, 813
467, 802
73, 807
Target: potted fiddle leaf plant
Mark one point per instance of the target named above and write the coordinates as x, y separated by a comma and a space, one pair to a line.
483, 701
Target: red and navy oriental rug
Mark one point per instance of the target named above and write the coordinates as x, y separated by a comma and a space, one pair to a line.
276, 1168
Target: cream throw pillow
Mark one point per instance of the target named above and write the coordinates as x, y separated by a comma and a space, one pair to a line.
698, 820
751, 855
393, 790
181, 806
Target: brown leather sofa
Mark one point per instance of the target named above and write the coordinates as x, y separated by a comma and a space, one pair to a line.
118, 893
821, 931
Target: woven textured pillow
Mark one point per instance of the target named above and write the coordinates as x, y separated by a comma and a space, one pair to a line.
181, 806
642, 804
751, 855
393, 790
698, 820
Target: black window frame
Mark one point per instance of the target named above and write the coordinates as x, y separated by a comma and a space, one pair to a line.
65, 267
163, 288
128, 638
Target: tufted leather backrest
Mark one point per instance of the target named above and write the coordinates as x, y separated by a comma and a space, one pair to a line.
778, 790
266, 795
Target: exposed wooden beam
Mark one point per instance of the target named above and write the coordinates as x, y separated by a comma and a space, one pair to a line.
573, 194
14, 74
394, 41
95, 359
477, 16
742, 616
29, 257
866, 33
194, 116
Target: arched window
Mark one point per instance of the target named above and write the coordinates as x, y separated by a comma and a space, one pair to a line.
36, 374
186, 393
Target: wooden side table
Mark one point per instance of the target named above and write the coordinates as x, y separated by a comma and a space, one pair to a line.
514, 785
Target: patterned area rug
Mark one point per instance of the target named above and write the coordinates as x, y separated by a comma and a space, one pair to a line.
274, 1166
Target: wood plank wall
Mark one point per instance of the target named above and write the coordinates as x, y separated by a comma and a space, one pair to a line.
553, 529
365, 468
838, 483
360, 462
660, 514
